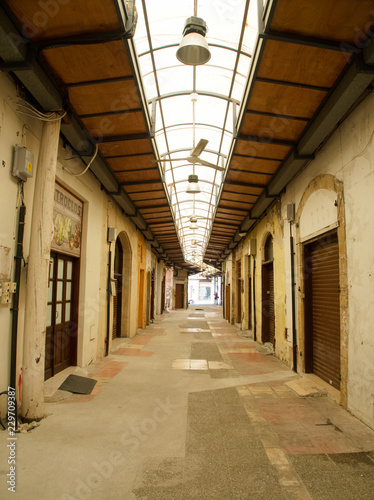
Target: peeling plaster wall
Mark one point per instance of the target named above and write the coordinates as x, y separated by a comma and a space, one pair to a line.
87, 189
358, 178
336, 190
19, 129
160, 272
126, 231
99, 212
346, 162
14, 129
273, 224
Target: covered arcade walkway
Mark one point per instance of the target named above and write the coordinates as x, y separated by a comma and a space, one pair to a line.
192, 409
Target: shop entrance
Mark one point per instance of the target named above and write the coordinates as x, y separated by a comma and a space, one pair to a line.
322, 309
179, 296
268, 313
117, 299
62, 317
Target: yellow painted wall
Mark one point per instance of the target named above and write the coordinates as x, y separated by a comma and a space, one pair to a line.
273, 224
142, 281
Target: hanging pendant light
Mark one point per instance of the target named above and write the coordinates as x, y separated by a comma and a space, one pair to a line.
193, 184
194, 49
193, 221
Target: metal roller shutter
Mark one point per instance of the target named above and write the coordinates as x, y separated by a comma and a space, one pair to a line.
323, 309
268, 313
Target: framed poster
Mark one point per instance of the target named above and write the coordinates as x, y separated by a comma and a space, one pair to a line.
67, 222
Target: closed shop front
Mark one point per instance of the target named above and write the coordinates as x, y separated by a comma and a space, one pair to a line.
322, 309
179, 296
268, 312
63, 284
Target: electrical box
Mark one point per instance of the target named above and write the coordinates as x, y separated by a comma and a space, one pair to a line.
252, 245
289, 212
6, 289
112, 234
23, 163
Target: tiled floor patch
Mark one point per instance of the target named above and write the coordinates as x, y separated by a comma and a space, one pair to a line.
141, 339
110, 370
133, 352
190, 364
200, 364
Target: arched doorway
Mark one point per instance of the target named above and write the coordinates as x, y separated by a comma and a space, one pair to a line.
268, 316
123, 259
118, 282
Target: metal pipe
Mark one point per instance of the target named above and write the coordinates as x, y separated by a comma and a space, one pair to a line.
254, 300
294, 336
15, 305
17, 278
108, 301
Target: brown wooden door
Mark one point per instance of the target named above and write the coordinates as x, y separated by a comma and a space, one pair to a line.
238, 292
163, 295
322, 309
250, 303
61, 326
268, 319
227, 303
179, 296
141, 311
118, 283
153, 296
239, 301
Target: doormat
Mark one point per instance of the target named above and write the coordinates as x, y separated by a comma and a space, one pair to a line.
78, 385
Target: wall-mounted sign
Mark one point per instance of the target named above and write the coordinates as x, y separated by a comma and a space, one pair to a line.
67, 222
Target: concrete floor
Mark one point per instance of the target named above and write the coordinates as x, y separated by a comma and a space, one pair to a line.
191, 409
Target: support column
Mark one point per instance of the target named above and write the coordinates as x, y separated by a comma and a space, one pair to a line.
37, 275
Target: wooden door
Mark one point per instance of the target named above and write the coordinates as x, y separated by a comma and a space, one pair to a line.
163, 295
117, 299
238, 292
268, 317
250, 303
179, 296
239, 301
228, 302
61, 325
153, 296
141, 315
322, 309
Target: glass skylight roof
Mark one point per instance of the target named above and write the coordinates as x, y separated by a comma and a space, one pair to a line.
194, 102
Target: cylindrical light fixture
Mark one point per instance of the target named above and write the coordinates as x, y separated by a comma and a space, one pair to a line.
193, 184
194, 49
194, 225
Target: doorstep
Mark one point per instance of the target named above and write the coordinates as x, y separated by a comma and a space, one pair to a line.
309, 385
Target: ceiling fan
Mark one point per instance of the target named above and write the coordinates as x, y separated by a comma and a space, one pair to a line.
194, 157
